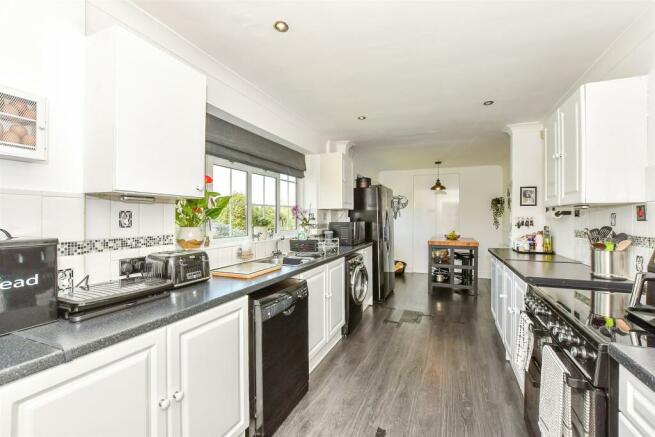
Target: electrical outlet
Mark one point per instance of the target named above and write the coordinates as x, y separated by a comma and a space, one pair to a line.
613, 219
130, 266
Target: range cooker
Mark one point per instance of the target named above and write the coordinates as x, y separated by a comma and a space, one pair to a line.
580, 325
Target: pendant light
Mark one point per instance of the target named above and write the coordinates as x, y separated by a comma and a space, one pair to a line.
438, 186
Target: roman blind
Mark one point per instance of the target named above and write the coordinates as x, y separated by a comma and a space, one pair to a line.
228, 141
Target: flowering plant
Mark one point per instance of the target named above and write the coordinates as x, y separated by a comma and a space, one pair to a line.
302, 216
197, 212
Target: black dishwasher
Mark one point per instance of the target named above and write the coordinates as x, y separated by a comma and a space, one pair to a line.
279, 365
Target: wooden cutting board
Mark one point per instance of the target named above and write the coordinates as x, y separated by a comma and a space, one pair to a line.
246, 270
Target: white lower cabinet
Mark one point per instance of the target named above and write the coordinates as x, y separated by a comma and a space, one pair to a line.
636, 406
326, 310
507, 302
188, 379
208, 372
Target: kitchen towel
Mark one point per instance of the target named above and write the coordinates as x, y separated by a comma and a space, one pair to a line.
524, 342
554, 396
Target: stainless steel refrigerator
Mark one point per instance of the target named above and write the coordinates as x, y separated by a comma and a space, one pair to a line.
373, 205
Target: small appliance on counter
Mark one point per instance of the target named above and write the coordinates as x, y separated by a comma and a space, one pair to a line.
303, 246
349, 233
143, 281
181, 267
28, 283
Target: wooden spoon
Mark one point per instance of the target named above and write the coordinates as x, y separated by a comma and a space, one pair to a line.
598, 245
623, 245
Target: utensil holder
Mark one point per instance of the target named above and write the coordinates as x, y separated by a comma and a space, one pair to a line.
607, 264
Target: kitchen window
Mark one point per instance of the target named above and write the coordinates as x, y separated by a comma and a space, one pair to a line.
263, 205
233, 221
288, 199
261, 201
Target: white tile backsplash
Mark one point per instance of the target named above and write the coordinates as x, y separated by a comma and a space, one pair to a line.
21, 214
567, 245
97, 218
151, 219
116, 230
98, 266
63, 217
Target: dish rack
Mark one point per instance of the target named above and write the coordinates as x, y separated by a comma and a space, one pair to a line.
22, 126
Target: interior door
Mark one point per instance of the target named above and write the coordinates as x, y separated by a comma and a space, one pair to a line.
435, 214
208, 372
570, 149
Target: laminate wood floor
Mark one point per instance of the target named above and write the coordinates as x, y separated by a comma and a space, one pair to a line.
406, 374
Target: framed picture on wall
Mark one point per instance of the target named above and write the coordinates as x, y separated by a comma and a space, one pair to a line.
528, 196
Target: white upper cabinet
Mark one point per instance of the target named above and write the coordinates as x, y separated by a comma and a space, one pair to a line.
595, 151
329, 181
551, 193
145, 119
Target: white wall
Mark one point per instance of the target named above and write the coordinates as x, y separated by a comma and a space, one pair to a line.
632, 54
229, 95
527, 170
477, 185
45, 56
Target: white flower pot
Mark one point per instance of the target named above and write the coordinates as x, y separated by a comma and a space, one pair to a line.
190, 238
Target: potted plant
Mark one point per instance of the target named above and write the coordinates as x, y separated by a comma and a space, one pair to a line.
303, 221
192, 215
261, 226
497, 210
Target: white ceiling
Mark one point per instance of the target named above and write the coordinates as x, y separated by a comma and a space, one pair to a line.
419, 71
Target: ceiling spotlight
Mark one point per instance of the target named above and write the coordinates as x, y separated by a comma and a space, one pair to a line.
361, 117
281, 26
488, 102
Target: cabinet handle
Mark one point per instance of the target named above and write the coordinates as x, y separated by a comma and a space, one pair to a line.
164, 403
178, 395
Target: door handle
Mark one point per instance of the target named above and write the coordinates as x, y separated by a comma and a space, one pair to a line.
164, 403
289, 310
178, 395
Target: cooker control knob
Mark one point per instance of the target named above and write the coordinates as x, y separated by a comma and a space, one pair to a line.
583, 353
575, 351
557, 329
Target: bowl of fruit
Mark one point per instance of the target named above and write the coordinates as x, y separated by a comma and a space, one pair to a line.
452, 235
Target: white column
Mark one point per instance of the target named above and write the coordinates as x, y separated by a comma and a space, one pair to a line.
527, 170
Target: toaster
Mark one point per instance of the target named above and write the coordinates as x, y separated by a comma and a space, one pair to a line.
181, 267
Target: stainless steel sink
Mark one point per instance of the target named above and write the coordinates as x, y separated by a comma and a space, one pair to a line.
291, 260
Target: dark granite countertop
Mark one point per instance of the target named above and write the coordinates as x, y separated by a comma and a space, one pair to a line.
638, 360
555, 271
32, 350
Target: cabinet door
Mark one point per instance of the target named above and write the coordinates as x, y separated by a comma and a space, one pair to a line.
494, 287
505, 300
208, 372
570, 150
551, 161
160, 111
316, 311
337, 299
113, 392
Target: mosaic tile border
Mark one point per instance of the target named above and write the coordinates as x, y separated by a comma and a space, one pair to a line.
637, 240
82, 247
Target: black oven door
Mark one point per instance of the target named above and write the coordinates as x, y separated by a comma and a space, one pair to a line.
588, 403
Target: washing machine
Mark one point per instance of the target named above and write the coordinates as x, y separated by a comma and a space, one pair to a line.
356, 291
